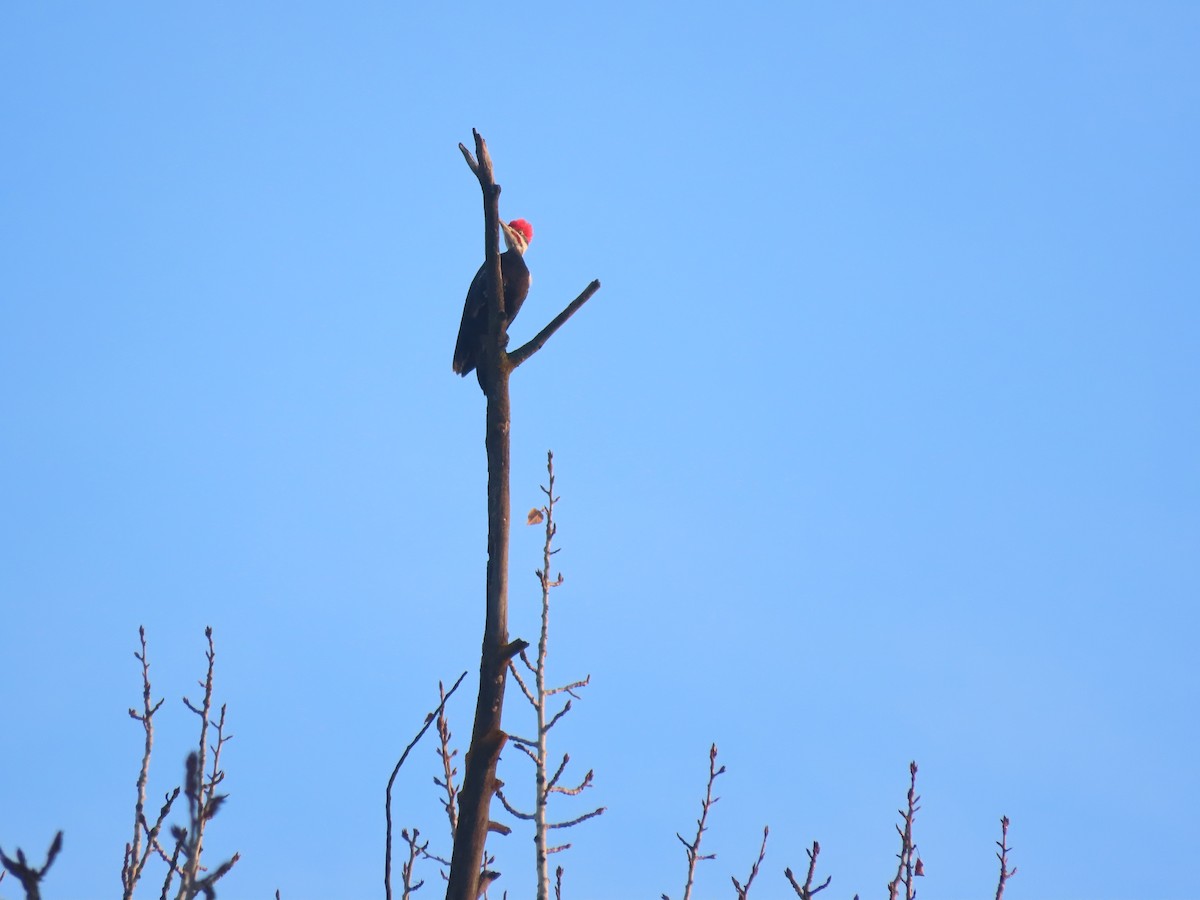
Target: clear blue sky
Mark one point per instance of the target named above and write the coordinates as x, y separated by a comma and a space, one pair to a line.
881, 441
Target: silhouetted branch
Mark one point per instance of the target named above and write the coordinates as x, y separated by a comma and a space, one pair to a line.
387, 804
537, 693
558, 715
693, 849
172, 861
31, 876
203, 801
744, 890
135, 856
572, 822
516, 673
512, 810
200, 790
806, 891
415, 850
574, 685
1005, 872
446, 754
532, 346
910, 864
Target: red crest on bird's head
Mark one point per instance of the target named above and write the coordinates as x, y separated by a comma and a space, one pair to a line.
524, 227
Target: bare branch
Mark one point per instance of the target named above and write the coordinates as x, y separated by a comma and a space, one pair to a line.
693, 849
469, 158
806, 891
416, 850
446, 755
387, 805
578, 789
532, 346
31, 876
570, 688
909, 864
743, 891
135, 856
1005, 872
512, 667
558, 772
571, 822
200, 790
558, 715
512, 810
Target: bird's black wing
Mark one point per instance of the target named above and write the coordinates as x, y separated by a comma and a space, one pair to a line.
474, 324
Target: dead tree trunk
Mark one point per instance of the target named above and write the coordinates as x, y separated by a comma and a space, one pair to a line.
495, 365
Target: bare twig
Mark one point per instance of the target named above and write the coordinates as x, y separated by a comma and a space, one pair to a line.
446, 753
415, 851
538, 341
516, 673
550, 785
471, 159
201, 792
1005, 872
173, 860
570, 688
31, 876
387, 803
193, 785
135, 856
806, 891
744, 890
512, 810
538, 694
153, 831
693, 849
910, 864
575, 821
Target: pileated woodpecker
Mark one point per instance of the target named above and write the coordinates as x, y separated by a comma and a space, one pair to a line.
517, 235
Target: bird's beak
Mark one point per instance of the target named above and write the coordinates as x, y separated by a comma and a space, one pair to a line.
509, 234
